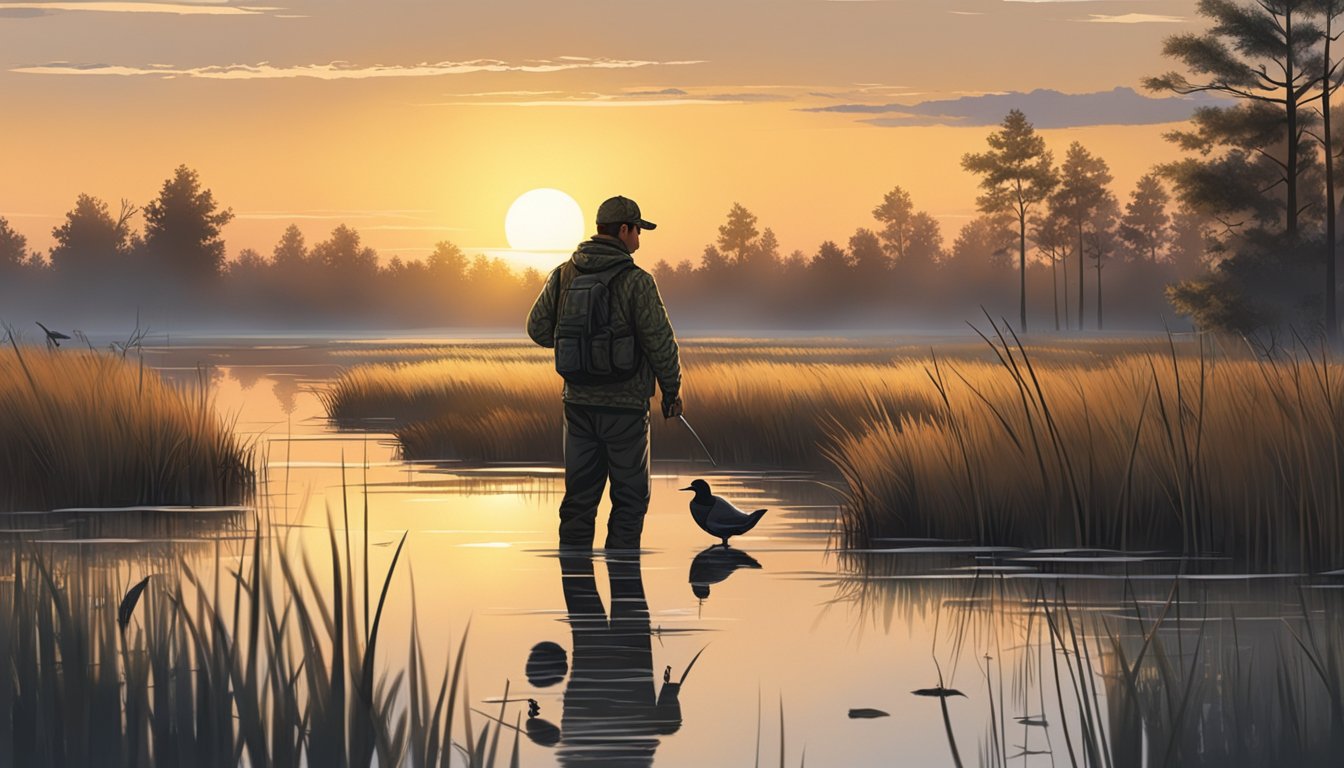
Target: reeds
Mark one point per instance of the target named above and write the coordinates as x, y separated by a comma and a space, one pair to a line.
1193, 450
266, 665
83, 428
768, 407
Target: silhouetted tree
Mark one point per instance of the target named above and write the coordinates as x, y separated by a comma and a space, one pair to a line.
249, 262
91, 242
1188, 251
984, 240
343, 253
1329, 10
13, 248
1054, 241
290, 252
896, 214
1017, 173
738, 235
182, 228
1082, 190
870, 266
447, 262
1145, 226
1101, 242
1261, 54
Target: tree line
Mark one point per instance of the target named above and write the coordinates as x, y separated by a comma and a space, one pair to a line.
1238, 235
899, 270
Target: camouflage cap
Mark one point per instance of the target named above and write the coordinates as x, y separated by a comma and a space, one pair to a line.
622, 210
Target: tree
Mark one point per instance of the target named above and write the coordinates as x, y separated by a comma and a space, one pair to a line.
984, 241
1329, 10
869, 260
762, 259
1146, 224
291, 252
738, 234
182, 228
1018, 173
1101, 241
1260, 54
249, 265
926, 240
13, 247
91, 241
1053, 239
343, 253
447, 262
896, 214
1082, 190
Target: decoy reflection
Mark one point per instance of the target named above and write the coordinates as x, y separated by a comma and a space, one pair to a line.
715, 564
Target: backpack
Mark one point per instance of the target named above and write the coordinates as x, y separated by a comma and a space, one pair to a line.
588, 350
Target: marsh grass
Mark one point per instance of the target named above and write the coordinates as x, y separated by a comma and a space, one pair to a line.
271, 664
1197, 449
84, 428
758, 406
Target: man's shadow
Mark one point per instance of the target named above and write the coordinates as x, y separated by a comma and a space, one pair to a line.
611, 713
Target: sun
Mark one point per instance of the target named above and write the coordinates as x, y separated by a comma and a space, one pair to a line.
544, 220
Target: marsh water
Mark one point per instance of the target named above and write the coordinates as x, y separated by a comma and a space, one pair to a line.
783, 641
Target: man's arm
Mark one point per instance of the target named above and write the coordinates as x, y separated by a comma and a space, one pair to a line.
541, 320
656, 339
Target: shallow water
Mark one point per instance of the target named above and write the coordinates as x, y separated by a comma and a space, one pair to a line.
782, 626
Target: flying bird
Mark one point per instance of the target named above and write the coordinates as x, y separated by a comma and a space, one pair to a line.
53, 337
717, 516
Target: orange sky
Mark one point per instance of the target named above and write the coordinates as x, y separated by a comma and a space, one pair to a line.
417, 122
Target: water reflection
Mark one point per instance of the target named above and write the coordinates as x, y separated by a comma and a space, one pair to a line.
715, 564
612, 715
1127, 666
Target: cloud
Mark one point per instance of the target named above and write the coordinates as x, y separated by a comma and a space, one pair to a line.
341, 70
1044, 108
659, 97
110, 6
967, 13
1132, 18
663, 92
599, 102
324, 214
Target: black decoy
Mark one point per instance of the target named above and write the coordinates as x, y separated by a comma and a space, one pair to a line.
717, 516
53, 337
940, 692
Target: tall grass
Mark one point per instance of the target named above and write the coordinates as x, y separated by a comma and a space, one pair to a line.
774, 410
1194, 450
82, 428
268, 665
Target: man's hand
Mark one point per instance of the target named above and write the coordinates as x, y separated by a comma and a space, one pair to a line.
672, 408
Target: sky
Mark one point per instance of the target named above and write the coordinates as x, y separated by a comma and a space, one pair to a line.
420, 121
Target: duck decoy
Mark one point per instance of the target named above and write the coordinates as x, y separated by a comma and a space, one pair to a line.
717, 516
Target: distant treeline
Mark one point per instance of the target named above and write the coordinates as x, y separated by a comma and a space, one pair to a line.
900, 272
1240, 235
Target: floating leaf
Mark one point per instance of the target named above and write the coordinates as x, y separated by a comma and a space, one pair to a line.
128, 603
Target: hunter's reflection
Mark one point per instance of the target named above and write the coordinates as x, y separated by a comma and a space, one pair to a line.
611, 714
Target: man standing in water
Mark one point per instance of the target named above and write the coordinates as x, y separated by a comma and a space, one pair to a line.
612, 338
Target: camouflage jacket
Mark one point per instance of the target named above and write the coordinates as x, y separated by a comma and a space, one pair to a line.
635, 303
